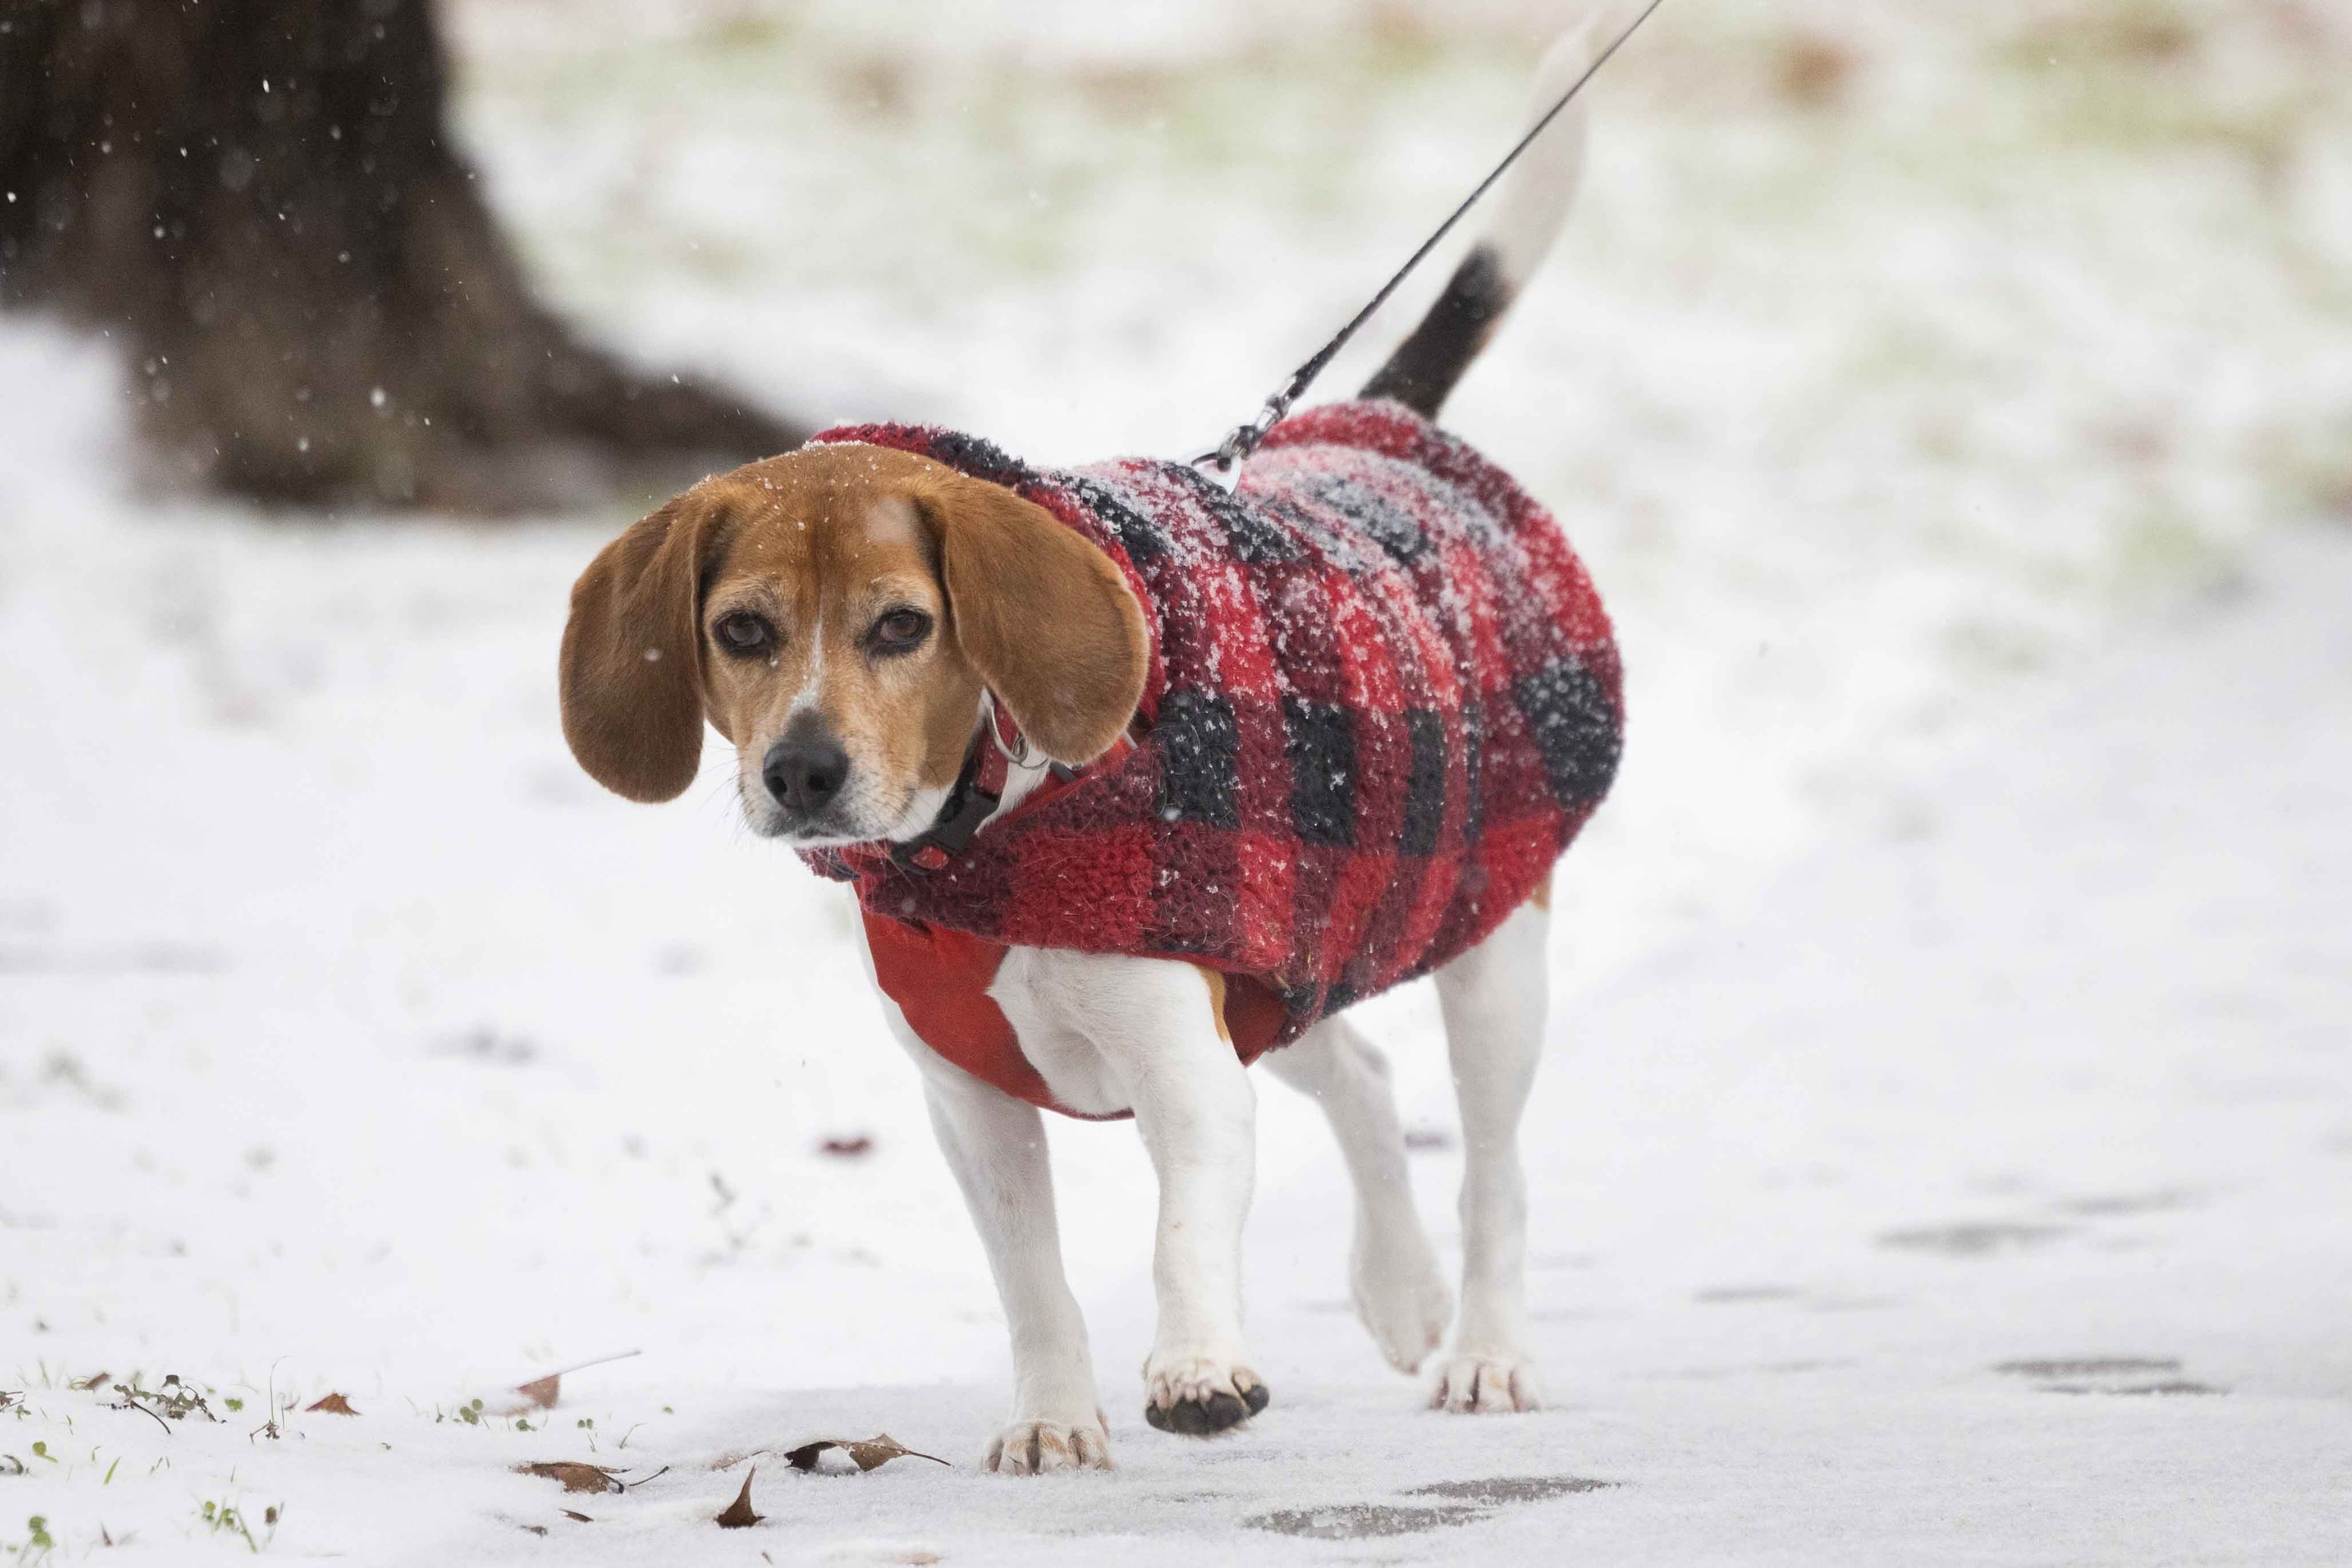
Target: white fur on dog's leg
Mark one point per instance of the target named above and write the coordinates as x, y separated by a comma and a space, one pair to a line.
995, 1145
1152, 1025
1400, 1297
1494, 999
1392, 1271
1197, 1115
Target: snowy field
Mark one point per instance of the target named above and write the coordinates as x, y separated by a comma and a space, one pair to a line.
1944, 1149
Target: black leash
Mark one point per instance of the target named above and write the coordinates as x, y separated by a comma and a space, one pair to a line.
1225, 458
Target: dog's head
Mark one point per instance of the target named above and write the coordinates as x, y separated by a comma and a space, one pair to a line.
839, 614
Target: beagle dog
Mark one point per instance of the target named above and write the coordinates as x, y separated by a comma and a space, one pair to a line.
919, 660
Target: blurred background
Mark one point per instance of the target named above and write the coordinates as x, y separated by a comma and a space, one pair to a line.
1899, 362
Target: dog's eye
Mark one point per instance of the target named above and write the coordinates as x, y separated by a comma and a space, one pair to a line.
901, 631
741, 631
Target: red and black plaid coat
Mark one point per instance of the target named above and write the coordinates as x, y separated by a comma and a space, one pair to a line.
1382, 698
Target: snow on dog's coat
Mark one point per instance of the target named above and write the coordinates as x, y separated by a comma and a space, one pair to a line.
1384, 698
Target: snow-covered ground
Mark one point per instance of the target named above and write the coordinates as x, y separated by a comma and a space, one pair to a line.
1961, 429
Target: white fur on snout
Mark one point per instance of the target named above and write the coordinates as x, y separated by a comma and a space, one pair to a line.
805, 698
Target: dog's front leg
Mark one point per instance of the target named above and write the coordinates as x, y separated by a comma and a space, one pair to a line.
995, 1145
1160, 1041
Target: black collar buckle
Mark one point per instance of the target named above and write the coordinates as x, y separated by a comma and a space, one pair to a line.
967, 806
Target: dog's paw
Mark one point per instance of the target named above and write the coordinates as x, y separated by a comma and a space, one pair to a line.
1402, 1299
1049, 1447
1471, 1385
1200, 1394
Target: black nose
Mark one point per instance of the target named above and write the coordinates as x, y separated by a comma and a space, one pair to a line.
805, 772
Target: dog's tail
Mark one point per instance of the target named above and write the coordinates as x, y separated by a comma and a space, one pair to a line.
1530, 205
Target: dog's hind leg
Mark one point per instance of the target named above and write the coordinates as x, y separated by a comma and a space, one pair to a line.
1493, 998
995, 1144
1392, 1272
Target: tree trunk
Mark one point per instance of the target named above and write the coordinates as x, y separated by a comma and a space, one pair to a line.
260, 202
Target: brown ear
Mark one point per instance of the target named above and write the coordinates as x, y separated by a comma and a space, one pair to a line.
631, 667
1044, 617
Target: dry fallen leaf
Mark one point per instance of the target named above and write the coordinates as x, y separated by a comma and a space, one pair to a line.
739, 1514
541, 1392
84, 1385
869, 1454
333, 1404
581, 1517
848, 1147
575, 1476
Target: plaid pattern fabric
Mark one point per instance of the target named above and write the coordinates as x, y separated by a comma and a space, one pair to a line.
1384, 698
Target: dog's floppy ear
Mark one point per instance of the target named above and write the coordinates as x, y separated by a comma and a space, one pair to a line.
1044, 615
631, 670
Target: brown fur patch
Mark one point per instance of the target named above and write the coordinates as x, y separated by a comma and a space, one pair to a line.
1047, 620
629, 672
1216, 982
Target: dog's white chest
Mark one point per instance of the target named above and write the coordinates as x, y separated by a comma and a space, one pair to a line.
1043, 996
